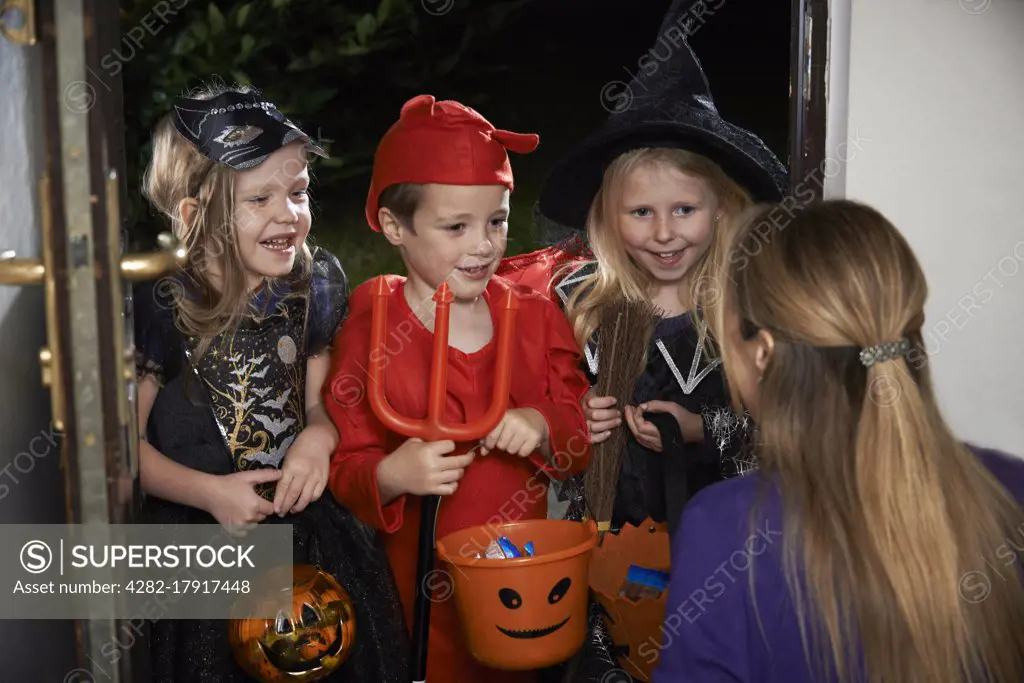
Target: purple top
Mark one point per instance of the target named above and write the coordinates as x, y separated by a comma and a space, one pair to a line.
711, 632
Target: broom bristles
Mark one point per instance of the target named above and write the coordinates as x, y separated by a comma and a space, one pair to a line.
625, 331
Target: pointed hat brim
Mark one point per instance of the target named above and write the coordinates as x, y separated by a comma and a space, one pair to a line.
573, 183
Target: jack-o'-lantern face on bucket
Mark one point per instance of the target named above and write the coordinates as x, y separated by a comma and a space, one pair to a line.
513, 600
526, 613
303, 644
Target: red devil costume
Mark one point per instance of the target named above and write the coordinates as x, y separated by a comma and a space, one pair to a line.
448, 143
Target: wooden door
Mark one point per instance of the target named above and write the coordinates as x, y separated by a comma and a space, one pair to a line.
87, 362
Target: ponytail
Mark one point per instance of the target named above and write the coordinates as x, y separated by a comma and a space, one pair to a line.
897, 537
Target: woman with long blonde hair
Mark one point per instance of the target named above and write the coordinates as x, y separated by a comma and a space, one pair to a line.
871, 544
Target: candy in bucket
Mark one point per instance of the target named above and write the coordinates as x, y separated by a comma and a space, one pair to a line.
522, 598
504, 549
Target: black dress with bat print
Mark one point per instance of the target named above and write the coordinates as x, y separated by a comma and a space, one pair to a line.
240, 406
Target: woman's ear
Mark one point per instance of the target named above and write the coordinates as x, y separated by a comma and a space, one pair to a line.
187, 209
390, 226
765, 349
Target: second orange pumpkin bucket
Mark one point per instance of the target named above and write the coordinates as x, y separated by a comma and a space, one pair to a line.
528, 612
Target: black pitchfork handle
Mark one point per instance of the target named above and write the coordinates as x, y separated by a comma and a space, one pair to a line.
421, 606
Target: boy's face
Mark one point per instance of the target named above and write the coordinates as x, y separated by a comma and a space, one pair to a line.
272, 215
460, 236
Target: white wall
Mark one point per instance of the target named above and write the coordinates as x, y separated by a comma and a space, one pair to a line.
30, 480
24, 402
937, 86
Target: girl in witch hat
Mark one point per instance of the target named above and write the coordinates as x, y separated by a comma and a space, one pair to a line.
653, 191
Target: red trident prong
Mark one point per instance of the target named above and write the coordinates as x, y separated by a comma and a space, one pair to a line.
433, 427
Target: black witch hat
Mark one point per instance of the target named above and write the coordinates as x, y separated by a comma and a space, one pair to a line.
667, 104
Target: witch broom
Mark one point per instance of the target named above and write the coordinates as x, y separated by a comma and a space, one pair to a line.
626, 328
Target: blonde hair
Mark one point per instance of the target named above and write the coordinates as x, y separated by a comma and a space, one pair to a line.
618, 275
179, 171
886, 512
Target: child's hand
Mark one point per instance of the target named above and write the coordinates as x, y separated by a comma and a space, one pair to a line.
421, 468
235, 502
690, 425
645, 432
304, 473
521, 432
601, 416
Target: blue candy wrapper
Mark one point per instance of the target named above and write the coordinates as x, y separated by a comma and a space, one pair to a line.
643, 576
528, 548
642, 582
508, 547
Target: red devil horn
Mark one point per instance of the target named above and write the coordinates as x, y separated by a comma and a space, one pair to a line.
421, 105
520, 143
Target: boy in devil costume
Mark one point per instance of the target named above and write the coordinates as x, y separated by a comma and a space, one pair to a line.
440, 194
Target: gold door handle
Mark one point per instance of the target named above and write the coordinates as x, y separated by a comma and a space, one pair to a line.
20, 272
154, 264
23, 272
21, 32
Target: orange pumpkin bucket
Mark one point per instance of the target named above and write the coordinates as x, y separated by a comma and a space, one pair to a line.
633, 625
306, 644
527, 612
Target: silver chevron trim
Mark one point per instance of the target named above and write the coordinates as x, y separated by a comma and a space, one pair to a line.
691, 382
571, 278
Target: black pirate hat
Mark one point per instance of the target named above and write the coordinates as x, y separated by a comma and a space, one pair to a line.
239, 129
667, 104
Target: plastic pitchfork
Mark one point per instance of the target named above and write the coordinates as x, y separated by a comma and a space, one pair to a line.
434, 428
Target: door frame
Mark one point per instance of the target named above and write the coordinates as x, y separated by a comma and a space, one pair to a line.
90, 352
808, 105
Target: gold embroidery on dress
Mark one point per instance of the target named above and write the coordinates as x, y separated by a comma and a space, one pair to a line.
260, 416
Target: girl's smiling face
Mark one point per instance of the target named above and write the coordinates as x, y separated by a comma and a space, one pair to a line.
665, 220
272, 217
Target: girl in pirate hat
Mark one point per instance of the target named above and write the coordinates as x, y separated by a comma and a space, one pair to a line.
231, 353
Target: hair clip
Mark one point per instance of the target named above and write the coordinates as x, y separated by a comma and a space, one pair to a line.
879, 353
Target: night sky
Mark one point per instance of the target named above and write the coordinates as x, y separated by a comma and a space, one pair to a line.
558, 56
563, 52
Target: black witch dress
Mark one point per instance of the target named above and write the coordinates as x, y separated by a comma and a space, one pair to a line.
239, 406
652, 484
658, 485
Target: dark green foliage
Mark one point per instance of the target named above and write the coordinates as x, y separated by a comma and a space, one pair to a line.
339, 69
